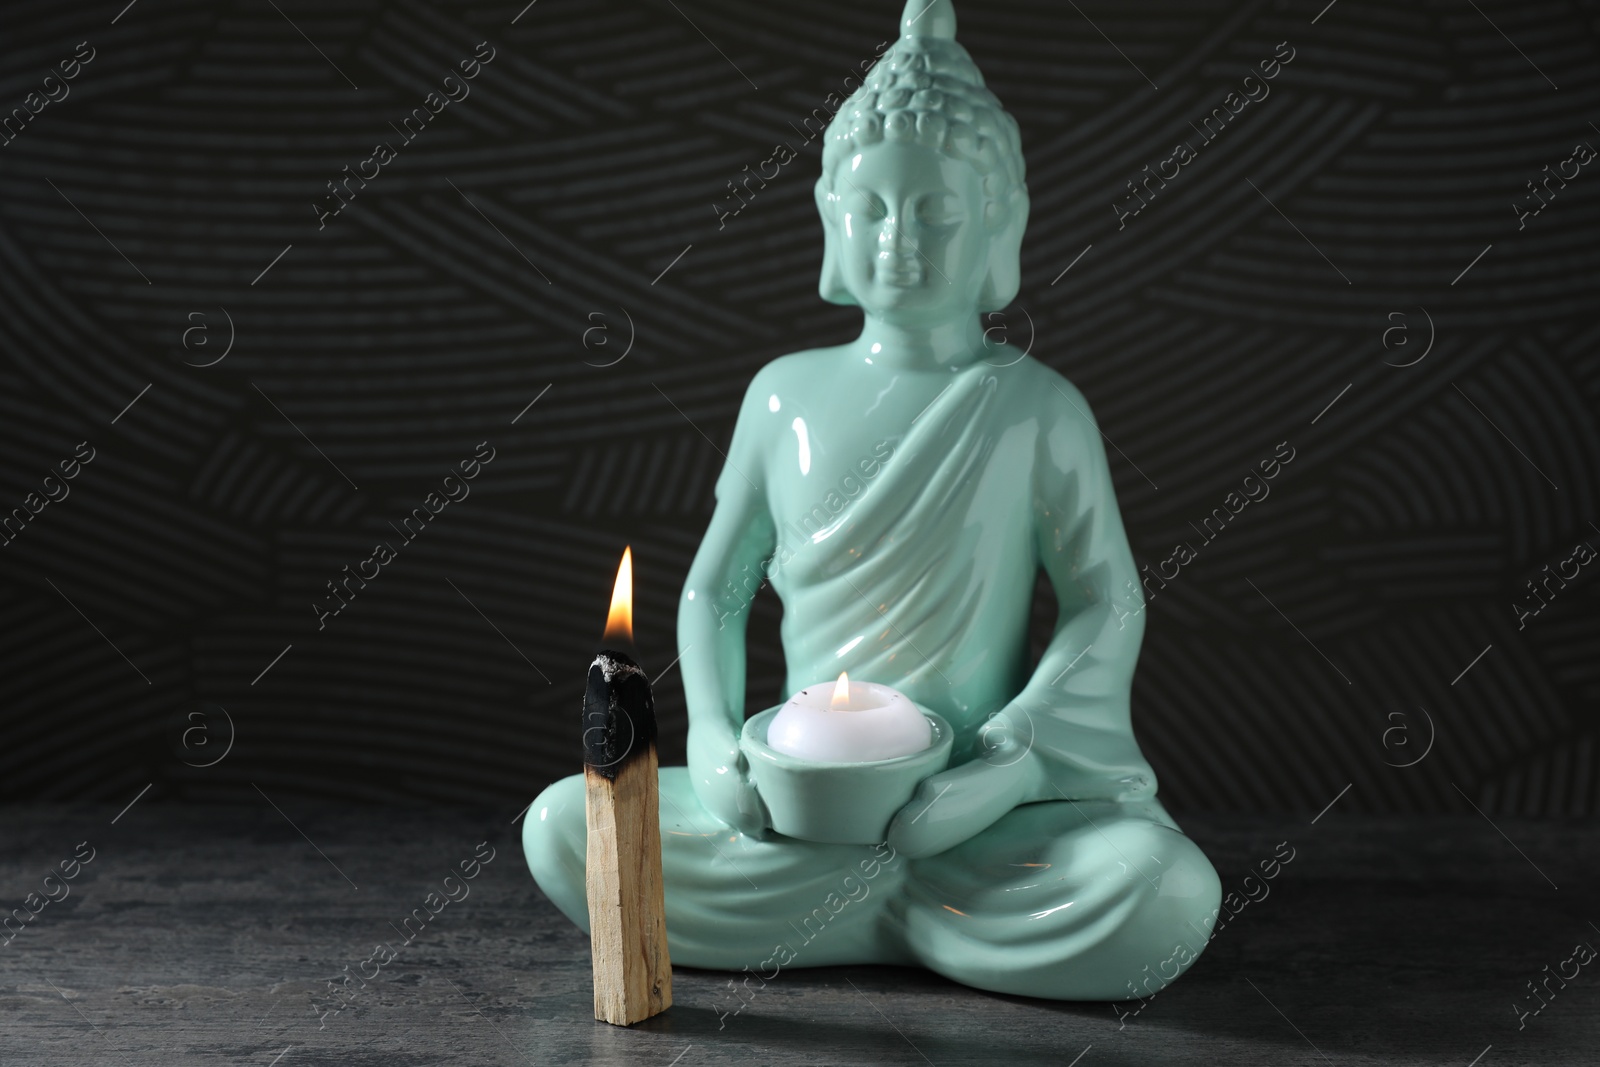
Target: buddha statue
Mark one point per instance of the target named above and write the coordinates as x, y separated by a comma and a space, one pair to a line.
901, 492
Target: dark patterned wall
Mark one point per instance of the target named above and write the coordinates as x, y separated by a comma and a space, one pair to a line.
269, 379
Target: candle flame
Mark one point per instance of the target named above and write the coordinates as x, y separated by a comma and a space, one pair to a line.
841, 692
619, 620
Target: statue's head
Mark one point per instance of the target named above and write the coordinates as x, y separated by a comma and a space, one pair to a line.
922, 196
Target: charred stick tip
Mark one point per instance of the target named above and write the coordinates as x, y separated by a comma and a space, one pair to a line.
619, 713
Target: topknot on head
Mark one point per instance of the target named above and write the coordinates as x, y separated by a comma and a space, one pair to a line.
929, 18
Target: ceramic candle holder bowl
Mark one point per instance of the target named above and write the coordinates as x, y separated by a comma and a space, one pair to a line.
838, 803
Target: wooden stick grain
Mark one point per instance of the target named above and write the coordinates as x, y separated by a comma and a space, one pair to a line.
627, 913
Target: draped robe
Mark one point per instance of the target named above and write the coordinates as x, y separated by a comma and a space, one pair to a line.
922, 578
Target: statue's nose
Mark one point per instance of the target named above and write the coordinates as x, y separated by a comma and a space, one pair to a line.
894, 237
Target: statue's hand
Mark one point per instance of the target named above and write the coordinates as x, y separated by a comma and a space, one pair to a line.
960, 803
721, 777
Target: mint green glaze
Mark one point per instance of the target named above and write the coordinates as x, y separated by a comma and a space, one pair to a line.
901, 492
837, 803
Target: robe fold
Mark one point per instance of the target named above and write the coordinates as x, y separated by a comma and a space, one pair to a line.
924, 579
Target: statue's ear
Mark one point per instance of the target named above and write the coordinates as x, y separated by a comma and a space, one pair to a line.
831, 285
1007, 220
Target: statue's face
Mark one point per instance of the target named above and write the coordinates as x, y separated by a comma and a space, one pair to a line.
911, 240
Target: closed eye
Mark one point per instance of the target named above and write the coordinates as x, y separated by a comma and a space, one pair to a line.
939, 210
870, 207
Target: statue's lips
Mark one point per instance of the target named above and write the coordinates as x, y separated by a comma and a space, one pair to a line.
905, 277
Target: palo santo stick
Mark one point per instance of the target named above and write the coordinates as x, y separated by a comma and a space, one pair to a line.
627, 913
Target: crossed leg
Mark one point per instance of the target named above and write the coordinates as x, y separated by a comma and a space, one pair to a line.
1067, 900
1070, 900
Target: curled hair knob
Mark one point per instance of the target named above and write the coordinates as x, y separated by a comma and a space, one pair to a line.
929, 18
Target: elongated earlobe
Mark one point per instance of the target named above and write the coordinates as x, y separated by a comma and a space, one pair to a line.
831, 283
1000, 285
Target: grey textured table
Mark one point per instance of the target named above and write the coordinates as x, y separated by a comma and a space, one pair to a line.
207, 936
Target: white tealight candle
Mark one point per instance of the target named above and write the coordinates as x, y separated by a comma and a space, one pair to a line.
849, 722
